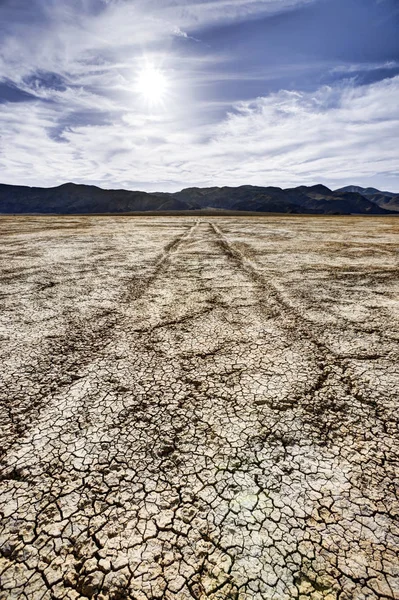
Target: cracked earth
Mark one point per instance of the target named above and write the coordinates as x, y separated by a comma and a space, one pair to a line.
200, 408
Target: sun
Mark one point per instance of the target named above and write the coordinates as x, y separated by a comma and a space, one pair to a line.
152, 84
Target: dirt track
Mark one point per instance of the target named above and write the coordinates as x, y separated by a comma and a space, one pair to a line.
199, 409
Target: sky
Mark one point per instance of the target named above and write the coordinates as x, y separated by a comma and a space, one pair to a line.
159, 95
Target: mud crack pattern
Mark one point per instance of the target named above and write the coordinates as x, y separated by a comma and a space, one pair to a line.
199, 409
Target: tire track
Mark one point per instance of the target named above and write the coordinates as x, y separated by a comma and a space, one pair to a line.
307, 325
332, 364
61, 363
137, 290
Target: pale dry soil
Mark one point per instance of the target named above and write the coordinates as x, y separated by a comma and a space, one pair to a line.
199, 408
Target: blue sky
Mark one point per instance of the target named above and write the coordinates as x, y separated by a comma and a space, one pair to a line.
265, 92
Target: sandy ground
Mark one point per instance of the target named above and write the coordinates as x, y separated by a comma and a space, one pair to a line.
199, 408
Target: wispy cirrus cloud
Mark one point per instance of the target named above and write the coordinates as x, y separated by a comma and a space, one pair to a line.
58, 36
359, 67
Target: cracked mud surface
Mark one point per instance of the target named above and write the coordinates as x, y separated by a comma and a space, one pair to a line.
199, 409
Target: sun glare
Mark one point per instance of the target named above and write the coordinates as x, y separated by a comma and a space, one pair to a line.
152, 84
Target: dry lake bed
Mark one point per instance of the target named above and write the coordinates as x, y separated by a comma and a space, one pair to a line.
199, 408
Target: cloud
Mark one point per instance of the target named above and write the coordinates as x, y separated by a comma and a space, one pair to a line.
202, 13
68, 71
182, 34
65, 52
179, 33
49, 35
335, 135
360, 67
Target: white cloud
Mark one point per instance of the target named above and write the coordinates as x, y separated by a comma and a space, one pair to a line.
179, 33
365, 67
335, 135
60, 37
200, 13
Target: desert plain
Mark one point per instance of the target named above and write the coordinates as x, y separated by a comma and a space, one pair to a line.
199, 407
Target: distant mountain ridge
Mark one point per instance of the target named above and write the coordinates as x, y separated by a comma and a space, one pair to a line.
370, 191
71, 198
386, 200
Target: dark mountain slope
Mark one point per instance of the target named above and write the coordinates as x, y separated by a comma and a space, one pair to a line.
342, 203
80, 199
385, 200
266, 203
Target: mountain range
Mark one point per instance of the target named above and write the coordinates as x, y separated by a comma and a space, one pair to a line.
71, 198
